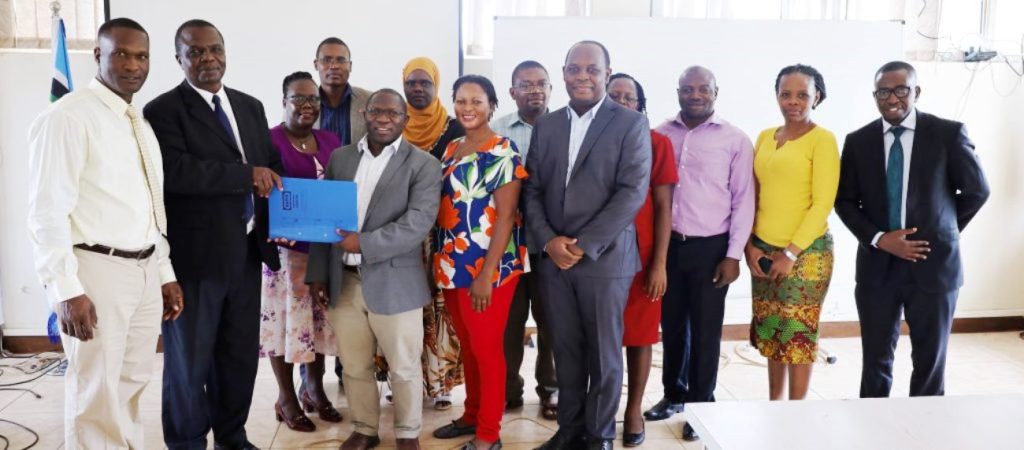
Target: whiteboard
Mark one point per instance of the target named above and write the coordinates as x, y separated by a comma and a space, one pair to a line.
265, 41
746, 56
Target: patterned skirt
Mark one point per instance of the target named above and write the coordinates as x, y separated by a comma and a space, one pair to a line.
787, 310
292, 325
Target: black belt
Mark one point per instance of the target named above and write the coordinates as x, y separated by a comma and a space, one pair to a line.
680, 237
348, 268
139, 254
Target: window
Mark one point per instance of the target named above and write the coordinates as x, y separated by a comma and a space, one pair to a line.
478, 18
27, 23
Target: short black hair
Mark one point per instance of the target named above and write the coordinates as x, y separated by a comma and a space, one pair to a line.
604, 50
528, 64
332, 41
120, 22
893, 66
819, 81
389, 91
193, 23
293, 77
479, 80
641, 99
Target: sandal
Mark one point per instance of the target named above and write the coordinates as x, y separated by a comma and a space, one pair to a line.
442, 405
326, 411
549, 407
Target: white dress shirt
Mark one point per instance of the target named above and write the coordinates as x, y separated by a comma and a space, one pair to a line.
578, 126
87, 186
367, 175
907, 141
226, 104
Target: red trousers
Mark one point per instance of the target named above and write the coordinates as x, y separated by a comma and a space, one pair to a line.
482, 335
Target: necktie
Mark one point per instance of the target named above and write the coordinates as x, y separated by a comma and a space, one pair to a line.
222, 117
894, 179
156, 193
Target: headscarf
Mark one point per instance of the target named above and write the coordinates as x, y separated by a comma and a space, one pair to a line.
425, 125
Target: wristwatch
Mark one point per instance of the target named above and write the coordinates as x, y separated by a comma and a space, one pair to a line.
789, 254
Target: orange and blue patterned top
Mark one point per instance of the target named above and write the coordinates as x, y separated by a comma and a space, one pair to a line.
467, 216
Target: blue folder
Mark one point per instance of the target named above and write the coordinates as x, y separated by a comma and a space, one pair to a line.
311, 210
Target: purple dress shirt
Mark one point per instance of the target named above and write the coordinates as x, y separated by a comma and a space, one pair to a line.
715, 193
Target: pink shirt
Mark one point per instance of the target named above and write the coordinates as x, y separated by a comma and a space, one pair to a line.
715, 193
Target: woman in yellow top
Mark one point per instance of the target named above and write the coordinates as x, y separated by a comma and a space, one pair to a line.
790, 252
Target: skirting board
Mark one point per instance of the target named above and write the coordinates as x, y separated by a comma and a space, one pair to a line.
36, 344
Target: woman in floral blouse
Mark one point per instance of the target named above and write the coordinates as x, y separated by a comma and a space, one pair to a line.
479, 254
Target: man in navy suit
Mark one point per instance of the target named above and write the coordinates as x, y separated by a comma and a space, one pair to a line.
909, 184
220, 165
589, 165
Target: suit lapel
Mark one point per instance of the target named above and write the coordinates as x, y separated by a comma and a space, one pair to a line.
604, 116
922, 142
876, 158
201, 111
243, 123
561, 145
349, 164
385, 178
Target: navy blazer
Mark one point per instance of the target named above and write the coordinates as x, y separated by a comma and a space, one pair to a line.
606, 189
946, 188
206, 182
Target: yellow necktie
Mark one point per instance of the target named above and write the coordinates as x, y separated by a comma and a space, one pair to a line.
156, 193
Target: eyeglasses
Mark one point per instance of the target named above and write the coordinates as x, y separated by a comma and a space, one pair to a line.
390, 114
299, 100
900, 91
623, 98
528, 88
330, 61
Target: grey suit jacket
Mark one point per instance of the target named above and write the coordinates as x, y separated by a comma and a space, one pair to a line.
356, 121
608, 184
402, 210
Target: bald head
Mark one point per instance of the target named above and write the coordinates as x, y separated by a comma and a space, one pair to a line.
697, 91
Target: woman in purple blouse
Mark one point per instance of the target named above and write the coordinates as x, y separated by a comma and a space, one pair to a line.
293, 327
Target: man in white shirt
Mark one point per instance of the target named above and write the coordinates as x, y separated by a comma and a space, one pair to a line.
374, 280
97, 226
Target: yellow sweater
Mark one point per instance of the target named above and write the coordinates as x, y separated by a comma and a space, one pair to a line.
797, 186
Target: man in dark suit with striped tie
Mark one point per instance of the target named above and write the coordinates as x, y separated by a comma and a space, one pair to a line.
220, 166
909, 184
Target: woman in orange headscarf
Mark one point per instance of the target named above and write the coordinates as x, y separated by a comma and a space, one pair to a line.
429, 128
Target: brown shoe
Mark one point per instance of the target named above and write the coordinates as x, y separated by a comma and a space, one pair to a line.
360, 442
408, 444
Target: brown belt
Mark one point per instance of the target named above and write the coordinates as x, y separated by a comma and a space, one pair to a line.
97, 248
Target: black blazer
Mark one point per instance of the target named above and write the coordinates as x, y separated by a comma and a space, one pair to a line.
205, 182
945, 190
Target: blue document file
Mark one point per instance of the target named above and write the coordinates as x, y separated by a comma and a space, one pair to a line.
311, 210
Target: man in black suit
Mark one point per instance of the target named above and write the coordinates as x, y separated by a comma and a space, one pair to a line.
909, 184
220, 165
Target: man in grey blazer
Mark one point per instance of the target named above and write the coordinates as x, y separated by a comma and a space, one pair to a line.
375, 280
589, 168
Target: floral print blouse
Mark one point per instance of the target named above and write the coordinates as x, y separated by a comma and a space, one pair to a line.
467, 215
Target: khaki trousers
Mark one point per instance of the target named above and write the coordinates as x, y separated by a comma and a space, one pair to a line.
400, 338
107, 374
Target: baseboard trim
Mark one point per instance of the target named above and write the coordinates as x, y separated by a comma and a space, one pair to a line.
36, 344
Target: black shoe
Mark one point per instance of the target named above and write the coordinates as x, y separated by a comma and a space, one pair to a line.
453, 430
513, 403
689, 434
663, 410
246, 446
600, 444
634, 439
563, 441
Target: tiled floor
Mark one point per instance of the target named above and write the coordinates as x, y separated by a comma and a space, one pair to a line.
985, 363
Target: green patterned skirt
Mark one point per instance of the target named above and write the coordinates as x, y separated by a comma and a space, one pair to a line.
787, 310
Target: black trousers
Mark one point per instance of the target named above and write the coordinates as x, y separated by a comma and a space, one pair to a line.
211, 354
929, 316
528, 298
692, 312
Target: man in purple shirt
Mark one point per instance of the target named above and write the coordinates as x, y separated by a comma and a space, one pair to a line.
712, 215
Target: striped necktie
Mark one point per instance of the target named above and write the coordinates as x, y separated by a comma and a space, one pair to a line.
156, 193
894, 179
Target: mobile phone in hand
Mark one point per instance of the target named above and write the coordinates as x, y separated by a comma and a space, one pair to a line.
765, 263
